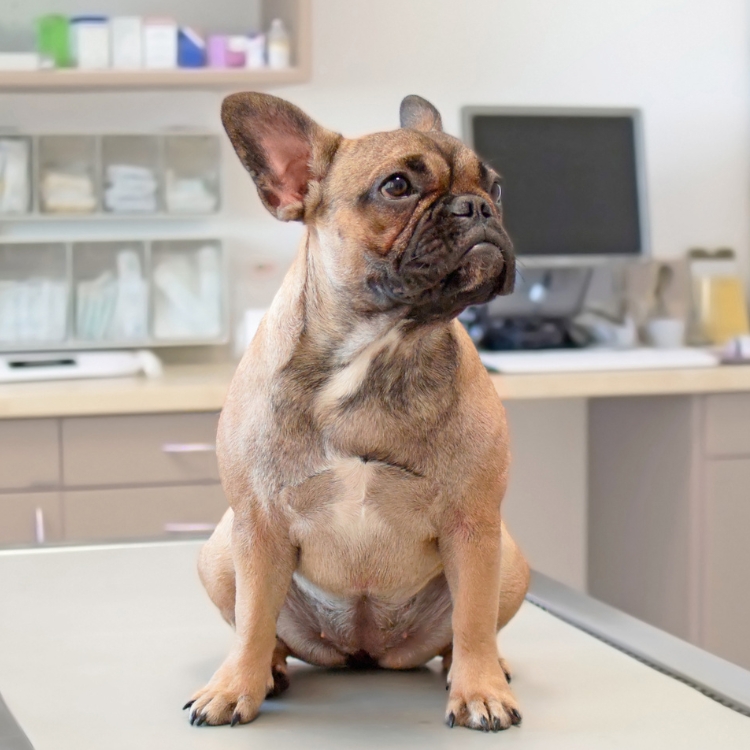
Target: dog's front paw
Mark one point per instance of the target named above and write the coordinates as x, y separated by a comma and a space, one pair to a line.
233, 696
482, 701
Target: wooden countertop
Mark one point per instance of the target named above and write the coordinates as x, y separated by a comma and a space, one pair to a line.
194, 388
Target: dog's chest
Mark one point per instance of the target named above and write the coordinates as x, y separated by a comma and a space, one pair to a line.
364, 527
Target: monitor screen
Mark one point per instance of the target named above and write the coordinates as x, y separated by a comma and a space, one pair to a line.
570, 182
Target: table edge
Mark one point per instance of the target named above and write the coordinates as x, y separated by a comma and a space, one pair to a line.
711, 675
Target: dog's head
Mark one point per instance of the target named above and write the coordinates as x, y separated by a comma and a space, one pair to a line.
408, 220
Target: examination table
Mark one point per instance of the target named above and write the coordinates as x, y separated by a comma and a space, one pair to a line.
101, 646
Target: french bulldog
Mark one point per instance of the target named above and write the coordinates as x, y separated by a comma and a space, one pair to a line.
362, 447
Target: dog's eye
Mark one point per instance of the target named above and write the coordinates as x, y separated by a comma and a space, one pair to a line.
496, 192
396, 186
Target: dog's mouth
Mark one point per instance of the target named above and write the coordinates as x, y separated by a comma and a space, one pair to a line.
440, 281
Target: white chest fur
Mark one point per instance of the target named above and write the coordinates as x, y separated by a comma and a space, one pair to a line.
365, 529
364, 346
352, 515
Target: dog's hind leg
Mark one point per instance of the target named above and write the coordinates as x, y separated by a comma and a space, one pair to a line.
216, 569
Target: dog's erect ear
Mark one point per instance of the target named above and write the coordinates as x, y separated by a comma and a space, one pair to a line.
282, 148
418, 114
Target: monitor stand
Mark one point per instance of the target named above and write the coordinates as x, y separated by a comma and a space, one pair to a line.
539, 313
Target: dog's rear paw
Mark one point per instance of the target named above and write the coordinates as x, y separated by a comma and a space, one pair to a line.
506, 669
488, 706
280, 680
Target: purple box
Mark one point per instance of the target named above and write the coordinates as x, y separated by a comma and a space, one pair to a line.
217, 51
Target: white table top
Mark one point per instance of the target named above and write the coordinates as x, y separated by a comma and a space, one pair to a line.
100, 647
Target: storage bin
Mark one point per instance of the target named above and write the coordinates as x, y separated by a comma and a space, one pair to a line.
191, 167
130, 174
33, 293
187, 289
111, 291
15, 175
67, 180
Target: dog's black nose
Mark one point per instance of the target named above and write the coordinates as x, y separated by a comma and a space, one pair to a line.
469, 205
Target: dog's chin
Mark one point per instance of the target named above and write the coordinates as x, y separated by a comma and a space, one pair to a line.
485, 269
483, 272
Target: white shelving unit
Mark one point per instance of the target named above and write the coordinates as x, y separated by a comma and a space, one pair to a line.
295, 13
66, 294
169, 156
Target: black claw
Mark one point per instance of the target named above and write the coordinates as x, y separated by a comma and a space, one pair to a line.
516, 716
235, 719
508, 676
496, 725
188, 704
485, 724
447, 686
202, 719
193, 717
451, 719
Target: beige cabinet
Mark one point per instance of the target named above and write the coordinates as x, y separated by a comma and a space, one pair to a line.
727, 425
87, 479
726, 578
29, 454
30, 518
139, 513
141, 449
669, 514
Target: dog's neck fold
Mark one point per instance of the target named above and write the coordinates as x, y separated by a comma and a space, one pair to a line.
332, 323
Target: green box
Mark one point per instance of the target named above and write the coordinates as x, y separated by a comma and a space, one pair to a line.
53, 39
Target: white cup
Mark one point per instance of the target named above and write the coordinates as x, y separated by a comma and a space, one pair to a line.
666, 333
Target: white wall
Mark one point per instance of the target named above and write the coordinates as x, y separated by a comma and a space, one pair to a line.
686, 63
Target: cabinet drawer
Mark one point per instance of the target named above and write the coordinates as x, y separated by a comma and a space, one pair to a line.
728, 424
726, 572
141, 449
92, 515
29, 453
30, 518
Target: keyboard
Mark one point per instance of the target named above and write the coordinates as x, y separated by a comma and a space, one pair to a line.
597, 360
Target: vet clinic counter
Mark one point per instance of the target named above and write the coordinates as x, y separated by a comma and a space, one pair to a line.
195, 388
101, 646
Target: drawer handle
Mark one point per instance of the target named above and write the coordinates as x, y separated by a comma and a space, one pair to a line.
39, 532
188, 448
188, 528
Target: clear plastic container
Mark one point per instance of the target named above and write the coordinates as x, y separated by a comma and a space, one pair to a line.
67, 181
33, 294
279, 46
15, 175
188, 290
111, 291
191, 174
130, 174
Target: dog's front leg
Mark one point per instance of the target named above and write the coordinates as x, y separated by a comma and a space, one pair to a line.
264, 561
479, 694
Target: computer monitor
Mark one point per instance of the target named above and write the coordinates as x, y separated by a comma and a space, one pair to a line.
573, 180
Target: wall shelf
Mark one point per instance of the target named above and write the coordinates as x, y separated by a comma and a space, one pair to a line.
296, 15
196, 78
